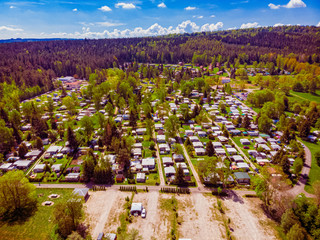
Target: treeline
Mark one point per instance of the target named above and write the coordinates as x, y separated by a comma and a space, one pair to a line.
31, 64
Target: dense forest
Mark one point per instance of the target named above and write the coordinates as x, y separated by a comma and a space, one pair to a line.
33, 65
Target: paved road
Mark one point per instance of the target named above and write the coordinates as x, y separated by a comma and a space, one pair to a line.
142, 187
299, 187
38, 161
162, 181
194, 172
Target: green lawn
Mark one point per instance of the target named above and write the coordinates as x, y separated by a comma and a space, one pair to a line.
40, 225
314, 174
306, 96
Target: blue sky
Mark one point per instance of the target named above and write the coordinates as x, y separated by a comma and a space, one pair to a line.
111, 19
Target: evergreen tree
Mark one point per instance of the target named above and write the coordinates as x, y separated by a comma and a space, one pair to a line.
179, 177
210, 149
73, 142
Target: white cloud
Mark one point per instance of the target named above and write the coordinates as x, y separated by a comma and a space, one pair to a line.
5, 28
162, 5
75, 10
272, 6
105, 9
295, 4
200, 17
213, 16
125, 5
11, 7
109, 24
278, 25
318, 25
154, 30
190, 8
249, 25
290, 4
211, 27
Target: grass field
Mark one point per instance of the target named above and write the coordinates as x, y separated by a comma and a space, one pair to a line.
314, 174
40, 225
299, 96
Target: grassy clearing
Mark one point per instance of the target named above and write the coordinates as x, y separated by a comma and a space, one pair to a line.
170, 206
306, 96
40, 225
314, 174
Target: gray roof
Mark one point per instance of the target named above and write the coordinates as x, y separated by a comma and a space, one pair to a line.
82, 192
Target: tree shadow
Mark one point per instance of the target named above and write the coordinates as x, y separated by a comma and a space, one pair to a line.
18, 216
233, 196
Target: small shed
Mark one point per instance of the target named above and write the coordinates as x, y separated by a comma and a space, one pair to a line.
136, 208
82, 192
141, 177
242, 177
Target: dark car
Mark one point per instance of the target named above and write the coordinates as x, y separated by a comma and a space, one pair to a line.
246, 147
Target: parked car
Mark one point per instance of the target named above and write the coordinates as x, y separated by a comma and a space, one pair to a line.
246, 147
143, 213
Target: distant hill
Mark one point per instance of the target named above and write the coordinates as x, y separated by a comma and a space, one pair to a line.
35, 62
13, 40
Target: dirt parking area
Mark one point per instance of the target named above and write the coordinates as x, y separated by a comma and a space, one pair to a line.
247, 219
155, 225
103, 209
199, 217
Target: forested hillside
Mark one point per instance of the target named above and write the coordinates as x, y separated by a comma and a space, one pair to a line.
34, 64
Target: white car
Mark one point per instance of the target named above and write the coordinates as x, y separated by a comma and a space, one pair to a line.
143, 213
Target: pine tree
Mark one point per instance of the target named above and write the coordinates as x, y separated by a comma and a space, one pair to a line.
210, 149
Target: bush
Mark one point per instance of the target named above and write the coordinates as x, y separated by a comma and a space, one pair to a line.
317, 156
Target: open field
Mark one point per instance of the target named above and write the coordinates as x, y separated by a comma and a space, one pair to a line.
197, 216
300, 96
314, 174
40, 225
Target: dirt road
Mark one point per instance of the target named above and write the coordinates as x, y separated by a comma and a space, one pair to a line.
162, 182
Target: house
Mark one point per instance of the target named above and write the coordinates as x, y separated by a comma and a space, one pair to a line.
158, 126
81, 192
136, 209
189, 133
141, 177
164, 148
167, 161
178, 157
72, 177
39, 168
169, 171
245, 141
141, 131
22, 164
242, 177
202, 134
197, 145
161, 138
136, 152
33, 153
243, 165
56, 167
6, 167
52, 150
217, 145
183, 165
237, 158
194, 139
222, 139
148, 163
253, 133
232, 151
220, 152
200, 151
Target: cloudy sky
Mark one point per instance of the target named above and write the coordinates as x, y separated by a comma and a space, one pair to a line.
113, 19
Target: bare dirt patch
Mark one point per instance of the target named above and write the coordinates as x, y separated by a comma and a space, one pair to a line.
101, 207
112, 221
150, 227
244, 223
198, 219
